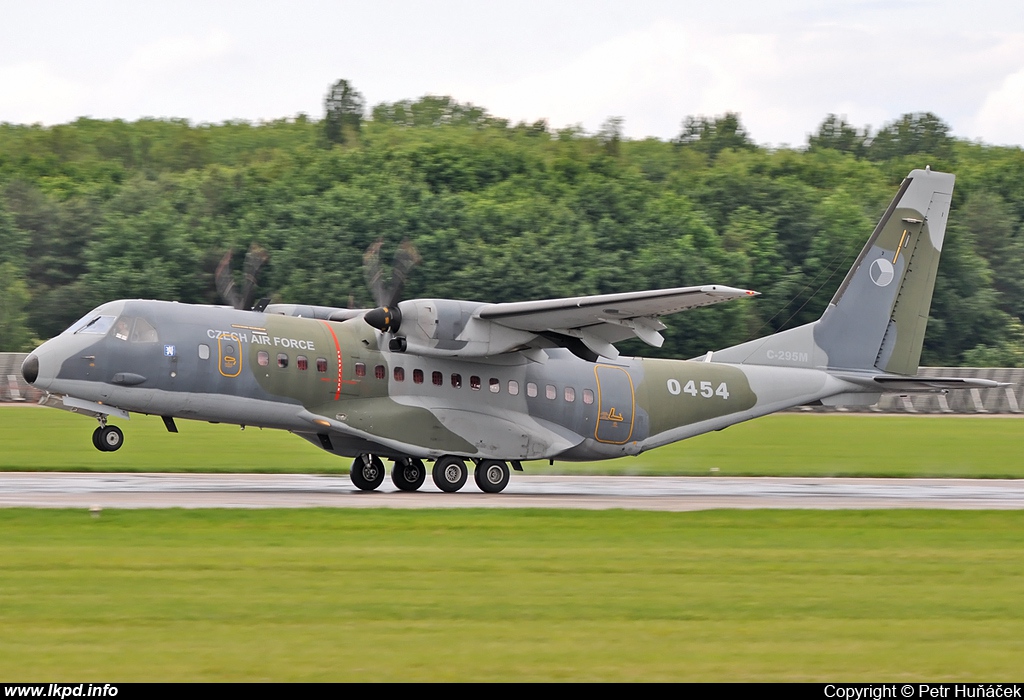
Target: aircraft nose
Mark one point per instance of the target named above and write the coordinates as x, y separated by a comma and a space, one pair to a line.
30, 368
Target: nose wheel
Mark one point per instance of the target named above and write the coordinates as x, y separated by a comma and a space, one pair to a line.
107, 438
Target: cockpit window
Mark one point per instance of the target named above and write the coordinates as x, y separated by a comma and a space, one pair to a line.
143, 332
96, 325
122, 327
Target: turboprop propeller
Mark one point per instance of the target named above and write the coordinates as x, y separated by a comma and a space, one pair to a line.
255, 258
387, 317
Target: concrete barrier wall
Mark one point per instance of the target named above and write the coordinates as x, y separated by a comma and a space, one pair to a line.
1004, 400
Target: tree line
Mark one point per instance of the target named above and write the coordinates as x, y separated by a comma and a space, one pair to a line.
96, 210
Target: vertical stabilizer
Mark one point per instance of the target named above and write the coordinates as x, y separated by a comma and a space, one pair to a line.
878, 316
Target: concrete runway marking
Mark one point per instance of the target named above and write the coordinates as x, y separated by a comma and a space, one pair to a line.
119, 490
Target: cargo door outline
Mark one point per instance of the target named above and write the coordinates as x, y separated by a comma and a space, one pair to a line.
229, 355
615, 405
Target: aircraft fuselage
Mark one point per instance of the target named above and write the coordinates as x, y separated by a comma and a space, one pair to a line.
323, 378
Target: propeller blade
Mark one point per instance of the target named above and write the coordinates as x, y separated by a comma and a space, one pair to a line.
254, 260
405, 260
372, 271
226, 283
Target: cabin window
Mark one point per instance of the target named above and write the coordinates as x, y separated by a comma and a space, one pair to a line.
204, 351
437, 378
360, 369
282, 360
550, 392
263, 358
474, 383
379, 372
570, 394
143, 332
513, 387
531, 389
456, 381
417, 376
494, 385
588, 396
321, 364
302, 363
399, 374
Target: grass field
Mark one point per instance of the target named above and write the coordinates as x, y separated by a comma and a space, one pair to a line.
511, 595
33, 438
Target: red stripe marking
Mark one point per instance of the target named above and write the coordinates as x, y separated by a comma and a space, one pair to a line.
337, 347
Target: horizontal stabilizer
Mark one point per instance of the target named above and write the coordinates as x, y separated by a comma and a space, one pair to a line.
894, 384
936, 383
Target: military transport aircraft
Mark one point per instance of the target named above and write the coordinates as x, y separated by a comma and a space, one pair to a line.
497, 384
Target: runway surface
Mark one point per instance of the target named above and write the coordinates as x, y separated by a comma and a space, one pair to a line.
77, 490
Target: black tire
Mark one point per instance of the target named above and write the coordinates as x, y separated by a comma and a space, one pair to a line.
408, 474
96, 439
110, 438
491, 476
367, 472
450, 474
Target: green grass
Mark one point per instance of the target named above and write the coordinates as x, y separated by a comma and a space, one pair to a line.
314, 595
779, 445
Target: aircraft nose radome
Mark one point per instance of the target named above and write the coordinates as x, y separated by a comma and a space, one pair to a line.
30, 368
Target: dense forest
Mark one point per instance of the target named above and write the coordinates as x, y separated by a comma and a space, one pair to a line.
98, 210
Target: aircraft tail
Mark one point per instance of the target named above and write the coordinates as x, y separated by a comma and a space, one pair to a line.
877, 319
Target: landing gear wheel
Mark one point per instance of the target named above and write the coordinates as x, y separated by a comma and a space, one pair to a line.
108, 438
408, 474
367, 472
491, 476
450, 474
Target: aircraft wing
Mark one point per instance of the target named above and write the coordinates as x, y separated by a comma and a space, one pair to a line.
600, 320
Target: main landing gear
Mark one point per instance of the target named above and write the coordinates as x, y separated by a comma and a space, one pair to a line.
408, 474
450, 473
107, 438
367, 472
491, 476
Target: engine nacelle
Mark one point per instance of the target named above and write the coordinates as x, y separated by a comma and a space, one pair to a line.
446, 327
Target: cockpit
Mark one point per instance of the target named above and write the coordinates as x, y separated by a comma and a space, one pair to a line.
126, 328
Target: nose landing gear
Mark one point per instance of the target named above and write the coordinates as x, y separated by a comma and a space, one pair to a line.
107, 438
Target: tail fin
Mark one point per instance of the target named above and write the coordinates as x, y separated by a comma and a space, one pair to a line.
878, 316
